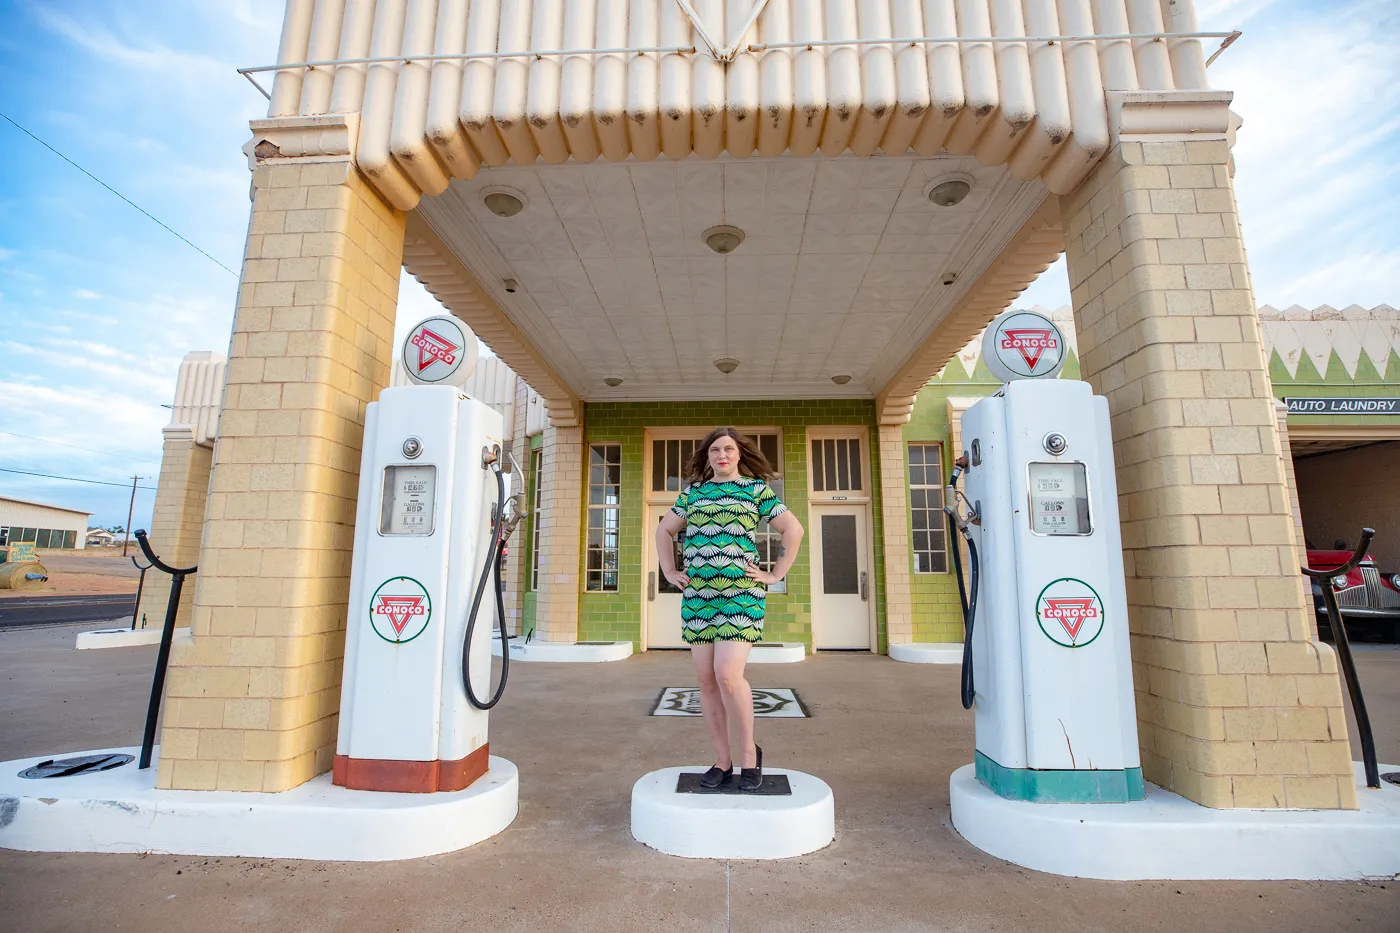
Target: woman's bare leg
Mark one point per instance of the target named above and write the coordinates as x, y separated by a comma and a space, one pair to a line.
730, 658
711, 703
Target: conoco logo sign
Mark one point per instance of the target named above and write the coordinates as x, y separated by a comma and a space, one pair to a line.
433, 348
400, 610
1070, 612
439, 351
1023, 345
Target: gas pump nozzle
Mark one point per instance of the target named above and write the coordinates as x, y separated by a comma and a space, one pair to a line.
958, 525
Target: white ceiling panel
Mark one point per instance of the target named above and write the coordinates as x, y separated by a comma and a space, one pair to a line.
839, 272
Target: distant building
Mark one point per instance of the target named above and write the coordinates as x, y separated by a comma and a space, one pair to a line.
100, 537
46, 526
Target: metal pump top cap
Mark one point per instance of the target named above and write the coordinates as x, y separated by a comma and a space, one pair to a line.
440, 350
1023, 345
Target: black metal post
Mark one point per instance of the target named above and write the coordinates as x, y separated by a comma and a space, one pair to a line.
140, 585
1343, 643
172, 609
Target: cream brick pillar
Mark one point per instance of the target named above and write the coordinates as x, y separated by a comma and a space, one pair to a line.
561, 534
894, 509
1290, 480
1237, 705
176, 522
252, 697
516, 568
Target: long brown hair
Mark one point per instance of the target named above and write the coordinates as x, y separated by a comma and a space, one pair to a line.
751, 460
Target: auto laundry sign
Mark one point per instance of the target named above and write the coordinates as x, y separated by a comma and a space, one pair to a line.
1343, 406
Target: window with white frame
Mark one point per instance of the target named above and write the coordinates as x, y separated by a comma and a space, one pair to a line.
604, 516
926, 508
537, 477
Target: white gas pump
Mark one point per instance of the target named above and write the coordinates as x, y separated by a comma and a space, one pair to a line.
1046, 663
434, 511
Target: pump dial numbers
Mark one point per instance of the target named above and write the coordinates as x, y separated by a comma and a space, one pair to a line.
408, 497
1059, 498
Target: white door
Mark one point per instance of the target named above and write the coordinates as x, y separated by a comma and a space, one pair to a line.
663, 604
841, 576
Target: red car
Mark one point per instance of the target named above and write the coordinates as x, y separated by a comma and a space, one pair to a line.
1368, 599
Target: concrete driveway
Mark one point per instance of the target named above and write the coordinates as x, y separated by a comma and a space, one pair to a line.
885, 735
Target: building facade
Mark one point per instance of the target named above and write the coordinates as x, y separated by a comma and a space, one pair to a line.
791, 216
44, 526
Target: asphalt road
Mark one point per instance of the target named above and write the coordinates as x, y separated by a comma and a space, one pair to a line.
51, 610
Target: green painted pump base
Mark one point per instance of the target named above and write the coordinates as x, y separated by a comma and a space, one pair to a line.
1060, 786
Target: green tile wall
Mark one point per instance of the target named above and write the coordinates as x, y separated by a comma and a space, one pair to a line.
937, 613
616, 616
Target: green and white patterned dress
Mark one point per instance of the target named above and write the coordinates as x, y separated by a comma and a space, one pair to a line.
721, 603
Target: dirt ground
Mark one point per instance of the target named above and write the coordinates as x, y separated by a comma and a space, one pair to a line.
885, 735
89, 572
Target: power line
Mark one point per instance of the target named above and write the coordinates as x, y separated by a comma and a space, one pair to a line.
92, 450
118, 194
73, 479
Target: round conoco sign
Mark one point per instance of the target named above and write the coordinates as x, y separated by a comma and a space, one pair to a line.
440, 351
1023, 345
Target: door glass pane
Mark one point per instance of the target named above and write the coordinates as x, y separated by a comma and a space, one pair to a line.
768, 445
658, 466
843, 470
662, 584
840, 570
818, 483
829, 456
855, 464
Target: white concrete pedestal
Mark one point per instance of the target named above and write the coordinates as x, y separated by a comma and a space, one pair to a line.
733, 826
564, 651
1168, 837
123, 637
122, 811
778, 653
928, 652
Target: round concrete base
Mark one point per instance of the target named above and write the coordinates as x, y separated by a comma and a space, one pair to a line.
122, 637
730, 826
565, 651
928, 652
778, 653
1167, 837
122, 811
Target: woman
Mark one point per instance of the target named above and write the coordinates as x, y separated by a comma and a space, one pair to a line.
724, 588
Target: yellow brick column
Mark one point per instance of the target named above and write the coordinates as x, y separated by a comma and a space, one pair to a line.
894, 509
561, 534
516, 568
1237, 705
252, 697
177, 522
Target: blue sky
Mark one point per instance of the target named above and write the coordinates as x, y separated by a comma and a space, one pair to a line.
98, 304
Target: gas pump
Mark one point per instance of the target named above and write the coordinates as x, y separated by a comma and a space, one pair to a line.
1046, 665
435, 509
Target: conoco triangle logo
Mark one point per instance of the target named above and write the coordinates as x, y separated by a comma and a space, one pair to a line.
1030, 343
399, 609
433, 348
1071, 613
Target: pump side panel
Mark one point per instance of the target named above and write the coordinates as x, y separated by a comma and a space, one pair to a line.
463, 728
996, 633
1073, 700
1116, 596
395, 706
363, 526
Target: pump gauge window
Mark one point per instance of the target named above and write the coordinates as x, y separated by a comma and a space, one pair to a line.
409, 493
1059, 498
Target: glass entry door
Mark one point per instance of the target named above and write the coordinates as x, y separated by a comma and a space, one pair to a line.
841, 577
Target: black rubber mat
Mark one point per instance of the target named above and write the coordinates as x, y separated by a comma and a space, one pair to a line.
774, 785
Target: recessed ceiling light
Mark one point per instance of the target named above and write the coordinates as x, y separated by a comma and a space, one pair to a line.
726, 365
612, 382
503, 202
949, 190
723, 239
840, 379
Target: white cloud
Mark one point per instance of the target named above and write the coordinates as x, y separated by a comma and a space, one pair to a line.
103, 44
86, 294
7, 254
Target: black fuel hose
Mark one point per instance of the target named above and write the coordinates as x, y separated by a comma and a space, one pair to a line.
490, 570
968, 599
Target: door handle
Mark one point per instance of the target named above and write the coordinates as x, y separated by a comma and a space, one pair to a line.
651, 587
864, 587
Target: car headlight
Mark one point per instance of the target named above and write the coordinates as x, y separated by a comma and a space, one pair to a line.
1395, 580
1339, 582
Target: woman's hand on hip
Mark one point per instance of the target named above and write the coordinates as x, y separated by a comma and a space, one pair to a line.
678, 578
754, 572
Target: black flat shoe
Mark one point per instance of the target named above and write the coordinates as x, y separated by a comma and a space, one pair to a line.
715, 776
751, 779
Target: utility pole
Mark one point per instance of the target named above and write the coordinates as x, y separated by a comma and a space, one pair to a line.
129, 511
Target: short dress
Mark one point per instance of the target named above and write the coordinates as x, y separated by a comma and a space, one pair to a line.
721, 603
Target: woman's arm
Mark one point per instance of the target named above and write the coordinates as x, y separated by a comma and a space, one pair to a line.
790, 528
666, 531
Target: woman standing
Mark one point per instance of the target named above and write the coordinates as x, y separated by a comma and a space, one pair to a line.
724, 588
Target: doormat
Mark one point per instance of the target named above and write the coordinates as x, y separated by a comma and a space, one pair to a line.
774, 785
768, 703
